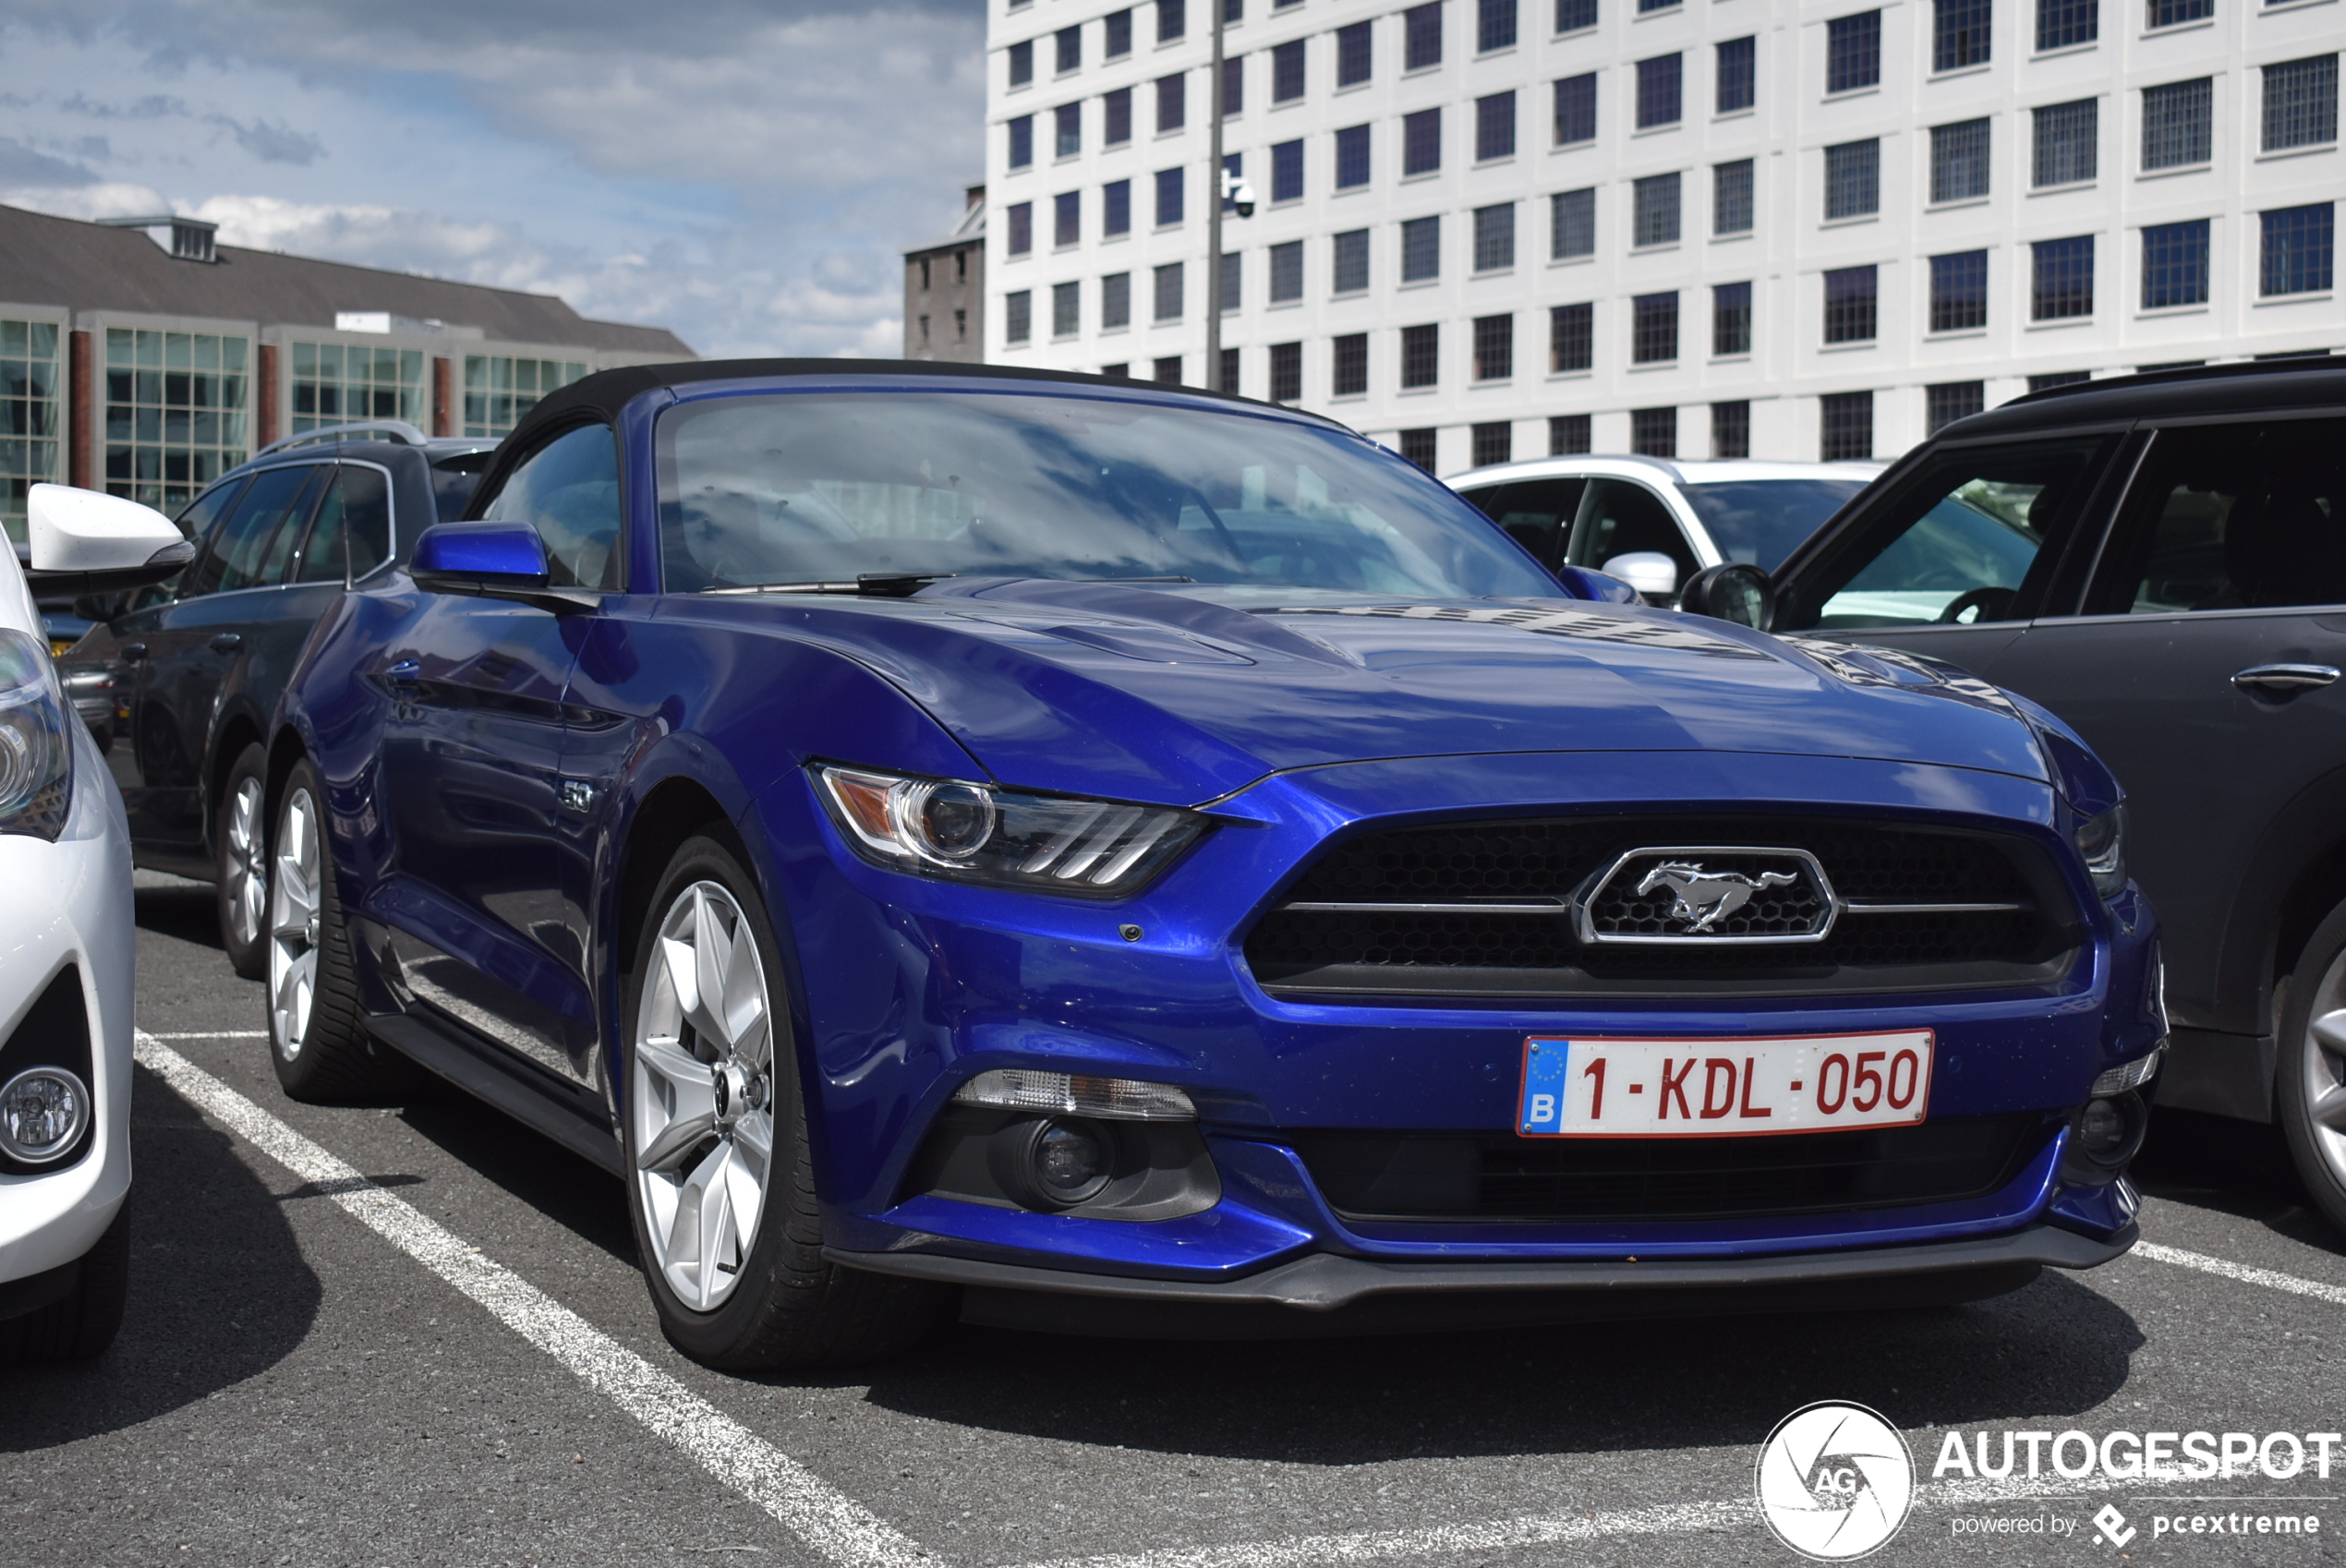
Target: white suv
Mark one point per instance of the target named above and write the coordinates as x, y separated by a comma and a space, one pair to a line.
66, 946
1654, 522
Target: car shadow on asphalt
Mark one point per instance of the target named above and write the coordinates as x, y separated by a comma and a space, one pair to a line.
2233, 1167
219, 1290
576, 1194
171, 906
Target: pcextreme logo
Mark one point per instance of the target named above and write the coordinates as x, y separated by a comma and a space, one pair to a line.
1834, 1481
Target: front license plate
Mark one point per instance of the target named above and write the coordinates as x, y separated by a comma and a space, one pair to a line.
1575, 1088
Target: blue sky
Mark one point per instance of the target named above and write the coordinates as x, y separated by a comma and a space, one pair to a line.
740, 172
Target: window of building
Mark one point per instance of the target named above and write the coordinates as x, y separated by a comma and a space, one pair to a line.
1116, 300
1738, 68
1494, 127
1959, 161
1350, 251
1654, 210
1171, 20
2059, 378
1959, 292
1422, 37
1959, 33
1572, 338
2067, 138
1731, 429
1067, 310
1420, 250
1172, 107
1351, 157
1654, 329
28, 423
2299, 249
1853, 179
1850, 299
1731, 203
2177, 121
1021, 135
1660, 80
2063, 23
1567, 434
1420, 142
1353, 56
175, 406
1116, 208
1119, 35
1168, 197
333, 383
1494, 238
1349, 366
1572, 225
1067, 127
1847, 418
1852, 52
1419, 447
1286, 272
1229, 378
1233, 278
2063, 285
1167, 282
1421, 355
1018, 227
1069, 52
1493, 348
1576, 107
1067, 218
1233, 85
1493, 442
1731, 318
1286, 72
1493, 25
1117, 118
1017, 318
1576, 16
1286, 373
1646, 6
1167, 371
2173, 13
1021, 63
1950, 400
1653, 432
1287, 172
2301, 103
2174, 264
961, 326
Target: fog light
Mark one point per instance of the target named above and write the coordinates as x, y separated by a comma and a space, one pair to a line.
42, 1113
2101, 1129
1055, 1162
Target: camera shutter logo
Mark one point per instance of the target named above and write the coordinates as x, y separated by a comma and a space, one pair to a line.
1834, 1481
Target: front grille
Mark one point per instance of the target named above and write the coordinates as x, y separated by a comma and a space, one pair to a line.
1423, 1177
1486, 908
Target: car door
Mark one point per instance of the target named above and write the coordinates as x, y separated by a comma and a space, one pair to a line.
2205, 671
1618, 517
1536, 513
469, 777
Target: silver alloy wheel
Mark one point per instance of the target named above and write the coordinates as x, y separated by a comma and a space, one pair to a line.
293, 924
2323, 1061
248, 867
701, 1100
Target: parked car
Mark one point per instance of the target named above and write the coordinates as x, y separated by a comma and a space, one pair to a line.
1655, 521
65, 948
179, 679
2161, 560
1133, 854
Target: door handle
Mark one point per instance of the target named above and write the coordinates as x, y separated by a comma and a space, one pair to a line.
2285, 677
227, 642
133, 652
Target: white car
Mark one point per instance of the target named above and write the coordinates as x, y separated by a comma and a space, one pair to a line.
66, 946
1655, 521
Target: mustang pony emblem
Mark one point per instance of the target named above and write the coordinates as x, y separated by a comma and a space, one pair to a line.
1703, 899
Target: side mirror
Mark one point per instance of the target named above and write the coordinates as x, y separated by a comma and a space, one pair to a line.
497, 560
83, 542
1736, 591
1649, 572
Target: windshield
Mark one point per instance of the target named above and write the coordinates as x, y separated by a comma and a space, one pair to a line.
826, 487
1760, 519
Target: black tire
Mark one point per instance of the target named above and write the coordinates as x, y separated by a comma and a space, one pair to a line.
2304, 1069
78, 1327
789, 1307
329, 1060
240, 863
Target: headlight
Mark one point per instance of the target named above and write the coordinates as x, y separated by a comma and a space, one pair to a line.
2102, 841
36, 749
978, 833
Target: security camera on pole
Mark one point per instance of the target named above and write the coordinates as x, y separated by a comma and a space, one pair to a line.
1224, 187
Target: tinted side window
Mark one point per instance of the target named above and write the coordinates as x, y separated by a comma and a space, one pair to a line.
2237, 516
239, 548
454, 479
197, 521
568, 490
356, 515
1536, 513
1619, 518
1968, 537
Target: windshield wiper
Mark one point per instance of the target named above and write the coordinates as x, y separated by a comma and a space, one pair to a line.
872, 584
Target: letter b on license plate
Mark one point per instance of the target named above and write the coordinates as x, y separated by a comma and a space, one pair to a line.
1576, 1088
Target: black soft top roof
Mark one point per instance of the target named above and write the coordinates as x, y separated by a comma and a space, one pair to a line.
2308, 383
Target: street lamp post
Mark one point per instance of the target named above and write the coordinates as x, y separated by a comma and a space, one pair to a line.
1214, 186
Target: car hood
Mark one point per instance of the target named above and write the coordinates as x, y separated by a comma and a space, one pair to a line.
1186, 695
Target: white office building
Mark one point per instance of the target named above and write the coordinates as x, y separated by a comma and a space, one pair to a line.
1502, 228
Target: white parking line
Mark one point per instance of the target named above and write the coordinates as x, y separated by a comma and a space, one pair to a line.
205, 1034
2246, 1274
818, 1514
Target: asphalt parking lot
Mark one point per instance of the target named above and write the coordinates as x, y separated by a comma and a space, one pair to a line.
417, 1335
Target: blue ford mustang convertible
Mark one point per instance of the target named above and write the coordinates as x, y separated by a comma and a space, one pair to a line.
1115, 859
